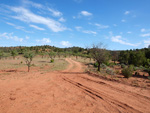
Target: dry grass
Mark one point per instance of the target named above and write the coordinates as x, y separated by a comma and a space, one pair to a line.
19, 62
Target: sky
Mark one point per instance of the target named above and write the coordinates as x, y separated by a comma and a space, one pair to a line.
119, 24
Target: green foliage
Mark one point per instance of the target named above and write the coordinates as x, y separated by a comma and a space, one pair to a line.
117, 72
123, 65
103, 66
100, 54
110, 71
28, 59
96, 64
127, 71
52, 55
14, 53
1, 54
147, 70
52, 60
124, 57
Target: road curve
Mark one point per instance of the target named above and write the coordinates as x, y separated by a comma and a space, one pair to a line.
69, 91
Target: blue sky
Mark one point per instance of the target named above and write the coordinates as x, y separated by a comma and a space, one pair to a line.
120, 24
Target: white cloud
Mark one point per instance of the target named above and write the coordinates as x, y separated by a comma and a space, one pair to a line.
115, 25
78, 28
74, 17
36, 5
27, 37
17, 27
62, 19
55, 12
145, 35
29, 17
121, 41
10, 36
89, 32
143, 30
44, 41
101, 26
147, 42
129, 32
65, 43
36, 27
127, 12
85, 13
123, 20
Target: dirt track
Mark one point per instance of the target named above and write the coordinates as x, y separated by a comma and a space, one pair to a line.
70, 91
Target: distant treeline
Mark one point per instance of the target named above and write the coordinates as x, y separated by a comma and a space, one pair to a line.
137, 57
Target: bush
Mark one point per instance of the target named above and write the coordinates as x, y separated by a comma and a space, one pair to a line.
96, 64
52, 60
103, 66
112, 64
110, 71
123, 65
117, 72
127, 71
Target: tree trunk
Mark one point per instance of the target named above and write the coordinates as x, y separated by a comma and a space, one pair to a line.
99, 67
28, 68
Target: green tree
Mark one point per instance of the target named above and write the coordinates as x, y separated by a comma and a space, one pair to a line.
1, 54
124, 57
28, 59
14, 53
52, 55
115, 55
137, 58
100, 54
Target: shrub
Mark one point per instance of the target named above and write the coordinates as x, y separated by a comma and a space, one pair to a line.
127, 71
117, 72
103, 66
112, 64
110, 71
148, 77
123, 65
52, 60
96, 64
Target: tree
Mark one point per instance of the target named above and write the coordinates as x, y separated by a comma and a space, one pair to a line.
1, 55
124, 57
28, 57
14, 53
115, 55
99, 54
137, 58
52, 55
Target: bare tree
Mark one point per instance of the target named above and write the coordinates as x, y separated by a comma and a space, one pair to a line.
99, 54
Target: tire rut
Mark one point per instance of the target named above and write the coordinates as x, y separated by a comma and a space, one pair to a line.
97, 95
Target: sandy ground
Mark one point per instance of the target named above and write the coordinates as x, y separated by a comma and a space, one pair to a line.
69, 91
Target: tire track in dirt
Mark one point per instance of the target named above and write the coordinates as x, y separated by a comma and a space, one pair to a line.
108, 100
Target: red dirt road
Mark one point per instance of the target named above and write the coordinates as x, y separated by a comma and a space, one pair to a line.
69, 91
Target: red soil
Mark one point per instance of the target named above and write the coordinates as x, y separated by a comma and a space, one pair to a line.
68, 91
